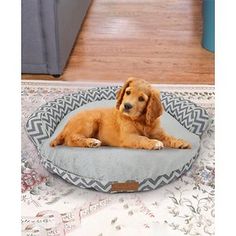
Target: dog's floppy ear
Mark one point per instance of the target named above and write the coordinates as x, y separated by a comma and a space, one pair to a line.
154, 107
120, 93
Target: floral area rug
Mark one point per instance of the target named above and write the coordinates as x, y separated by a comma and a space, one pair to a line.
53, 207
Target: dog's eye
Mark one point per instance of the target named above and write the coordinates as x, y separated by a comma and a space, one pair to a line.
141, 99
128, 92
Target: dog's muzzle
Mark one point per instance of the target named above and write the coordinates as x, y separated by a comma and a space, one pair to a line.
127, 106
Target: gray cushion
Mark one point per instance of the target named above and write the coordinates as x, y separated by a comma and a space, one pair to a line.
111, 164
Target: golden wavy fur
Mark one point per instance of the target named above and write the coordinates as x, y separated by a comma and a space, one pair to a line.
134, 123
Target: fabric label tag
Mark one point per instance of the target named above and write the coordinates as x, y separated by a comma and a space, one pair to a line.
126, 186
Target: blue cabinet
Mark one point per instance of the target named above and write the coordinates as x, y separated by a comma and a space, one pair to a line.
208, 35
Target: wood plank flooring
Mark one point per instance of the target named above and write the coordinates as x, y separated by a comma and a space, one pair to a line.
158, 40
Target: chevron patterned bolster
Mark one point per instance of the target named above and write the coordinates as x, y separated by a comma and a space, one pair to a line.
43, 122
190, 115
35, 128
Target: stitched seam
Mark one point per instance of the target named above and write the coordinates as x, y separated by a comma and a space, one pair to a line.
56, 36
45, 54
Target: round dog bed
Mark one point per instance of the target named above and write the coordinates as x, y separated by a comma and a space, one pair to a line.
111, 169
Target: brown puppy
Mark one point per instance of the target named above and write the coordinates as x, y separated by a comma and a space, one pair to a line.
134, 123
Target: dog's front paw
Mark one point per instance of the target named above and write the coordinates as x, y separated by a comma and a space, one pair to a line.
156, 145
93, 142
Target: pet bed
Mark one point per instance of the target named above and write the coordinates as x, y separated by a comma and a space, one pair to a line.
111, 169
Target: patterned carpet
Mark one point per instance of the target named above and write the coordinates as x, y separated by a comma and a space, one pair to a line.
53, 207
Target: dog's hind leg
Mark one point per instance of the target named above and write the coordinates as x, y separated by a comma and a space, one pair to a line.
59, 140
80, 131
78, 140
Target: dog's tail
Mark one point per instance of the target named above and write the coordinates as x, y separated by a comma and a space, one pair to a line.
59, 140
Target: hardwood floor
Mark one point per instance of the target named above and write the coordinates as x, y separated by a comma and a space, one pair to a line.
158, 40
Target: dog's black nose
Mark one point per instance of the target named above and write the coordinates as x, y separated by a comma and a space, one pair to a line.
127, 106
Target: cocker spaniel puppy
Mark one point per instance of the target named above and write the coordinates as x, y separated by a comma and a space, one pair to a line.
133, 123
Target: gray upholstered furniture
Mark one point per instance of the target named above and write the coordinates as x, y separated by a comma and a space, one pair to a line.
49, 30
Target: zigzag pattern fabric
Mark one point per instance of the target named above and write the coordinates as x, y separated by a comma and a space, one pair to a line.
191, 116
